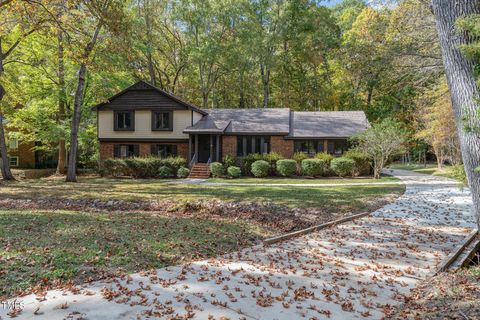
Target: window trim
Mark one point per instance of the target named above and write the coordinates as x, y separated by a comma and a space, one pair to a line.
170, 115
115, 122
17, 162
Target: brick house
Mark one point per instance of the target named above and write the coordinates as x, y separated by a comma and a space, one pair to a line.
143, 120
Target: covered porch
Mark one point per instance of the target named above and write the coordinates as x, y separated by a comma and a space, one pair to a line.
204, 148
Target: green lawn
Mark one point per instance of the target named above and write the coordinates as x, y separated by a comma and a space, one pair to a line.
41, 247
338, 198
328, 180
432, 169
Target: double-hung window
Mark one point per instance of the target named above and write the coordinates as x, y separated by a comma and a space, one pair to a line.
126, 150
124, 121
162, 120
164, 150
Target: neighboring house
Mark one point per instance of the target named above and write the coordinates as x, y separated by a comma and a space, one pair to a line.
143, 120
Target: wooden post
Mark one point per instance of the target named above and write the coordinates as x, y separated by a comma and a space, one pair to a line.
218, 147
196, 146
325, 146
211, 147
189, 148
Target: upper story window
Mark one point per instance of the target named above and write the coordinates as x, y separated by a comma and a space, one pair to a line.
162, 120
124, 121
13, 143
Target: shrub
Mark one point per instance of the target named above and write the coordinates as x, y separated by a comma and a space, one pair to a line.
217, 169
300, 156
173, 163
234, 172
342, 166
362, 162
165, 172
183, 172
313, 167
287, 167
248, 160
260, 168
113, 167
229, 161
326, 157
137, 167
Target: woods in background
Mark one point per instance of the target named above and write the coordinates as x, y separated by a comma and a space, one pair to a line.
298, 54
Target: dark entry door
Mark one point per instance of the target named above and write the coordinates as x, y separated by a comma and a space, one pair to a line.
203, 148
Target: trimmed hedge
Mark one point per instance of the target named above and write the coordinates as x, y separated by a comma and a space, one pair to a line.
183, 172
300, 156
229, 161
234, 172
260, 168
286, 167
325, 157
217, 169
313, 167
342, 166
165, 172
270, 158
141, 167
362, 162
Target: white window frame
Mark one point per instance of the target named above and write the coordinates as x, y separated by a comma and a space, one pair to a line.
17, 160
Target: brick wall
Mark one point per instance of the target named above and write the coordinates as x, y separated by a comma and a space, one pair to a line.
229, 145
144, 149
106, 150
282, 146
25, 154
182, 150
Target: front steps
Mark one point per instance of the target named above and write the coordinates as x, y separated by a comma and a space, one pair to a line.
200, 171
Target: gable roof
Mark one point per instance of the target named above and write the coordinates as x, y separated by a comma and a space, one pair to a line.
328, 124
244, 121
144, 95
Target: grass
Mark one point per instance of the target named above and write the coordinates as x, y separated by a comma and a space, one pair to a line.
339, 198
41, 247
279, 180
431, 169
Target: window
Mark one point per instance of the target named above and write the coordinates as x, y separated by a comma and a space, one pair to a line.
309, 147
252, 144
126, 150
162, 121
13, 143
124, 121
164, 150
13, 161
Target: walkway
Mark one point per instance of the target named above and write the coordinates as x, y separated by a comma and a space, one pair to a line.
360, 269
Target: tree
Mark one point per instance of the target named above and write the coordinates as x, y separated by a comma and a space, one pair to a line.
462, 83
381, 141
101, 13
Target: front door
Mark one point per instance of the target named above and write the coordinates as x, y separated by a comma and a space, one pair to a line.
203, 148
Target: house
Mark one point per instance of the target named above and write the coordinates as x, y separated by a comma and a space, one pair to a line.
143, 120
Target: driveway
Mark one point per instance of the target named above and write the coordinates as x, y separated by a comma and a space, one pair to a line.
360, 269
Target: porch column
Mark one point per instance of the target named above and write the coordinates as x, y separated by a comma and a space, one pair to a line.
211, 147
262, 144
218, 147
325, 146
189, 148
196, 145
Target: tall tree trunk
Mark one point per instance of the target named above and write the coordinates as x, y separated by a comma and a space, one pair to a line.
77, 108
62, 97
265, 72
461, 82
5, 167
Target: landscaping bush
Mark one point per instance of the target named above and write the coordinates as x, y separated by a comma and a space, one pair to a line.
271, 158
173, 163
183, 172
217, 169
260, 168
229, 161
342, 166
313, 167
362, 162
300, 156
113, 167
137, 167
326, 157
165, 172
234, 172
286, 168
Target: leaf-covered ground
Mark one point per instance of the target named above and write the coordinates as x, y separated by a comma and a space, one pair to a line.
51, 230
449, 295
